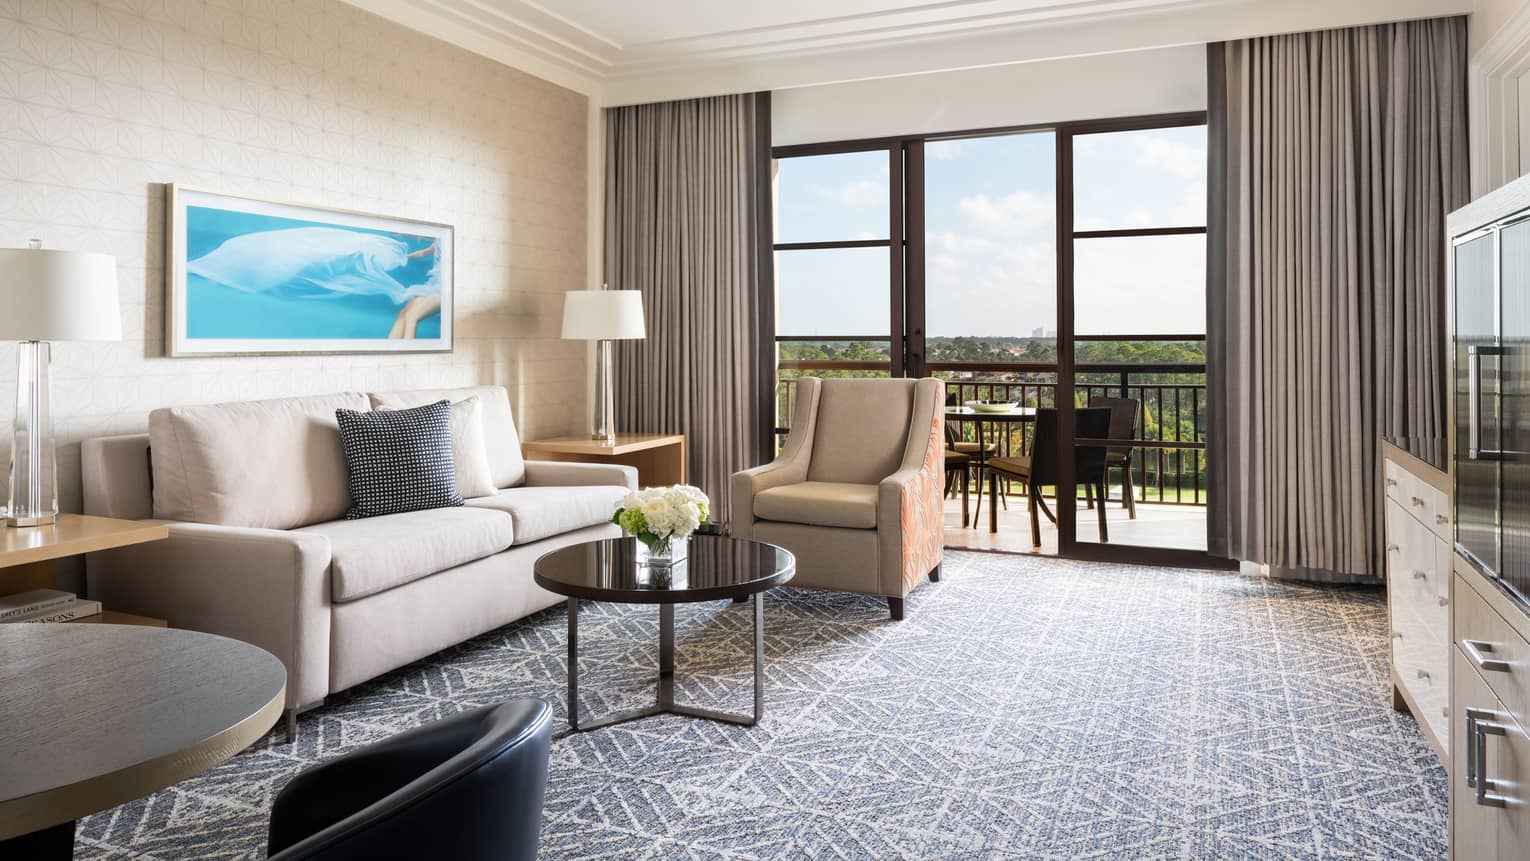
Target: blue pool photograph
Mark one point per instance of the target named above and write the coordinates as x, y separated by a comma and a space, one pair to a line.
251, 276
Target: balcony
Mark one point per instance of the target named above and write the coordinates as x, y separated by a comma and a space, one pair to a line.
1168, 467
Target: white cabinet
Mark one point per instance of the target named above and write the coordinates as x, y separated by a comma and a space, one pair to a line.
1416, 510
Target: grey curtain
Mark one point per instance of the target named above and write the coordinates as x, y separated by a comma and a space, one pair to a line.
687, 222
1335, 157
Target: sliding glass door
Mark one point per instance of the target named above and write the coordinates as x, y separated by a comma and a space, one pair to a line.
1057, 267
1132, 296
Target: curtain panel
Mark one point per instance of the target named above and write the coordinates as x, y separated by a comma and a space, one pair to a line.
687, 222
1334, 158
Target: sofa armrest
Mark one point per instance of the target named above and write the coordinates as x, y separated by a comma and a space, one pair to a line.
548, 473
267, 587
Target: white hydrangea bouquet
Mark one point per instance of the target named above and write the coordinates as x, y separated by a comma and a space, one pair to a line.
657, 516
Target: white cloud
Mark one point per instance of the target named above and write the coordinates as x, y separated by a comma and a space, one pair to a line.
954, 242
862, 192
1012, 214
1177, 157
943, 150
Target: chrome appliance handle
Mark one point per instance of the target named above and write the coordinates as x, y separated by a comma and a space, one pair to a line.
1473, 402
1474, 449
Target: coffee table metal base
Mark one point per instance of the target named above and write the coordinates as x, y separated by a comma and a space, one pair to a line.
666, 684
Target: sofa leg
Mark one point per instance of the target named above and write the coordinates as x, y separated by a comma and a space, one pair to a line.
895, 607
935, 573
290, 716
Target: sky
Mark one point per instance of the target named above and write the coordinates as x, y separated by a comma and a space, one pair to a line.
990, 256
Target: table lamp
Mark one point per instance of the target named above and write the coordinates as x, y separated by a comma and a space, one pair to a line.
47, 296
603, 316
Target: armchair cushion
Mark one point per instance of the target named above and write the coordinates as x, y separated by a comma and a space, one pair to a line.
820, 503
542, 512
375, 554
862, 430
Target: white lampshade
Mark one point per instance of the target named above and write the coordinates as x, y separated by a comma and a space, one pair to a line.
602, 315
48, 295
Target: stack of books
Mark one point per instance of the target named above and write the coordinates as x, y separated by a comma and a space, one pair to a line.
45, 605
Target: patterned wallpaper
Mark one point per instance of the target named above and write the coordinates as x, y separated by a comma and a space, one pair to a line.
311, 101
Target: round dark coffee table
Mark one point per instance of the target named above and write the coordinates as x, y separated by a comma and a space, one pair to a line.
715, 568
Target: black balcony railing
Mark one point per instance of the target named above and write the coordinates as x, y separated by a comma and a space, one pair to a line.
1170, 469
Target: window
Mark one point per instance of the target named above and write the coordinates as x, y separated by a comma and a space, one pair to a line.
839, 262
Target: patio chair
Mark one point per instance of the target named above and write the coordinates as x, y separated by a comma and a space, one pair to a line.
1039, 469
1123, 425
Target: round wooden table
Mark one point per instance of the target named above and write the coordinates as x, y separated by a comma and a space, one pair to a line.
94, 716
983, 418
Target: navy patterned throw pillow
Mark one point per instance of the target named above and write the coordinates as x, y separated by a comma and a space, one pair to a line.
399, 460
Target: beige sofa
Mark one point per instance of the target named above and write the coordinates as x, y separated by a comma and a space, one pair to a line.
255, 494
857, 490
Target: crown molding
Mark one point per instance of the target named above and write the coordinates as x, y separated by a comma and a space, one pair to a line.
925, 37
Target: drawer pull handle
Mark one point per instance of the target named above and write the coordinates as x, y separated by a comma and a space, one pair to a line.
1391, 482
1472, 716
1419, 501
1393, 548
1476, 648
1423, 674
1420, 574
1444, 602
1481, 729
1441, 519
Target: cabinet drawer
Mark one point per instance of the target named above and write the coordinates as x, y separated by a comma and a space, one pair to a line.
1417, 585
1485, 638
1422, 662
1392, 478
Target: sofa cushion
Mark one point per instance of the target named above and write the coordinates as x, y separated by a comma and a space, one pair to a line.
542, 512
264, 464
820, 503
375, 554
399, 460
470, 457
499, 434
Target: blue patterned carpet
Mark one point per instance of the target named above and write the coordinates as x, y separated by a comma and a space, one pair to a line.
1027, 708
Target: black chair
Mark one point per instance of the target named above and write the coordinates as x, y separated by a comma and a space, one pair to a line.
1040, 467
958, 468
466, 787
1123, 426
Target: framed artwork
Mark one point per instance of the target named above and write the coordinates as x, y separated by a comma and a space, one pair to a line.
259, 277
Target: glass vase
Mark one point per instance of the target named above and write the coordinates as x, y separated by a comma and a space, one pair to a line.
662, 552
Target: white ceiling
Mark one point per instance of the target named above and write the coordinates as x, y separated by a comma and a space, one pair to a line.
622, 51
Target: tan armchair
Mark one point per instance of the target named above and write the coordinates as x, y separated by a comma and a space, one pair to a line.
856, 494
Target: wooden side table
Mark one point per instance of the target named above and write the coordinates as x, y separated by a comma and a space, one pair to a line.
659, 458
28, 554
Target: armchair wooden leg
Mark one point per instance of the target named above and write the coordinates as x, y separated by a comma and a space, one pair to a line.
895, 608
993, 501
1089, 496
935, 573
1033, 499
1128, 493
966, 478
1104, 530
